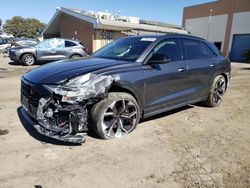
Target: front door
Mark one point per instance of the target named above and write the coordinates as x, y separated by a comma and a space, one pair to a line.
166, 86
50, 49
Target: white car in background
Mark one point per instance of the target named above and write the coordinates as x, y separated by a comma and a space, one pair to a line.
4, 45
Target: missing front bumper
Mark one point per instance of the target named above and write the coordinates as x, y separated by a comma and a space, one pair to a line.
64, 114
77, 138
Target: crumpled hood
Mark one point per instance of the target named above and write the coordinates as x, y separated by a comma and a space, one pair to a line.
57, 72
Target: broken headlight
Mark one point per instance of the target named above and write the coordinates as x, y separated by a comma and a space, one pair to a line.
79, 80
83, 87
73, 90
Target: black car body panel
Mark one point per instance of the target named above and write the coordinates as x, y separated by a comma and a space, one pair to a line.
57, 72
157, 87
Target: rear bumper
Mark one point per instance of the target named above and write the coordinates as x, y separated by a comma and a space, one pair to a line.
77, 138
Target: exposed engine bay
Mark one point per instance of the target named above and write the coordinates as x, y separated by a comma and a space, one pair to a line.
64, 115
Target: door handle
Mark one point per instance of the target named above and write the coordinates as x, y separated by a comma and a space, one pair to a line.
182, 69
212, 65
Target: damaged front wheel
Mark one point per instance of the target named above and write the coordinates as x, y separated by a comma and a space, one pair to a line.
116, 115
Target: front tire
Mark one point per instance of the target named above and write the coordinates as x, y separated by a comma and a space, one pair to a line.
115, 116
28, 59
217, 90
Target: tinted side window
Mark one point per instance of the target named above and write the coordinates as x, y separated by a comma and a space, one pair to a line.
193, 49
170, 47
69, 43
207, 51
218, 45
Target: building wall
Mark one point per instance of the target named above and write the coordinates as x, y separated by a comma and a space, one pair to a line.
72, 27
212, 28
217, 11
104, 37
240, 25
48, 36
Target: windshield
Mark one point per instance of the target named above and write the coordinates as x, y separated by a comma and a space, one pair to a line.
127, 49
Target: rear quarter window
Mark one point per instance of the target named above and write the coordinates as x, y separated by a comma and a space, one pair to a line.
208, 52
69, 44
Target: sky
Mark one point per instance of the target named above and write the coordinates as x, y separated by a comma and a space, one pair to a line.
169, 11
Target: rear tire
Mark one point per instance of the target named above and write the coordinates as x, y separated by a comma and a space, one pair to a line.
115, 116
28, 59
217, 90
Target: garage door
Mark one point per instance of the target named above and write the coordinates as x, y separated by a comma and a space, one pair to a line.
240, 44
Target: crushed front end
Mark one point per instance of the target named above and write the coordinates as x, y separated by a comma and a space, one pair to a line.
61, 111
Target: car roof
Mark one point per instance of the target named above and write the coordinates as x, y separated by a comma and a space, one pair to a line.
75, 41
168, 35
24, 39
147, 36
184, 36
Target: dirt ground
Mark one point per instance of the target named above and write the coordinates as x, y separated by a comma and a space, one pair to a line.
194, 146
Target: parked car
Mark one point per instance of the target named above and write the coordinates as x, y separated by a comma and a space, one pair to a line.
7, 43
129, 79
4, 45
5, 35
23, 42
48, 50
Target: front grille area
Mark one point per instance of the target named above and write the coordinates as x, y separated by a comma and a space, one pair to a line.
29, 97
29, 92
12, 54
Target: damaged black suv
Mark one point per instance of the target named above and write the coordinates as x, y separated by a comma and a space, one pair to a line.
129, 79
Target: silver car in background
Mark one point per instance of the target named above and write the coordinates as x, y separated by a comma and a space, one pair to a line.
48, 50
23, 42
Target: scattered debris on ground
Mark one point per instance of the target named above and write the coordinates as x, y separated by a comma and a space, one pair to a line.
3, 132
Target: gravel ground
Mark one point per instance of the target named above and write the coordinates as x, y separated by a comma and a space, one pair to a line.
193, 146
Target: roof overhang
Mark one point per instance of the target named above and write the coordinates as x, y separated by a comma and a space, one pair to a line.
53, 26
121, 26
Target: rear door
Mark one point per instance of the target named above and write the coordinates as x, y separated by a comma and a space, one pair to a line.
44, 50
58, 46
202, 64
50, 49
166, 83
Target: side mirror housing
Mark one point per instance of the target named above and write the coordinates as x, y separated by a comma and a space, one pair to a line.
158, 58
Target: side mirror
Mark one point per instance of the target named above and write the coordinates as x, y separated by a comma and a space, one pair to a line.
158, 58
